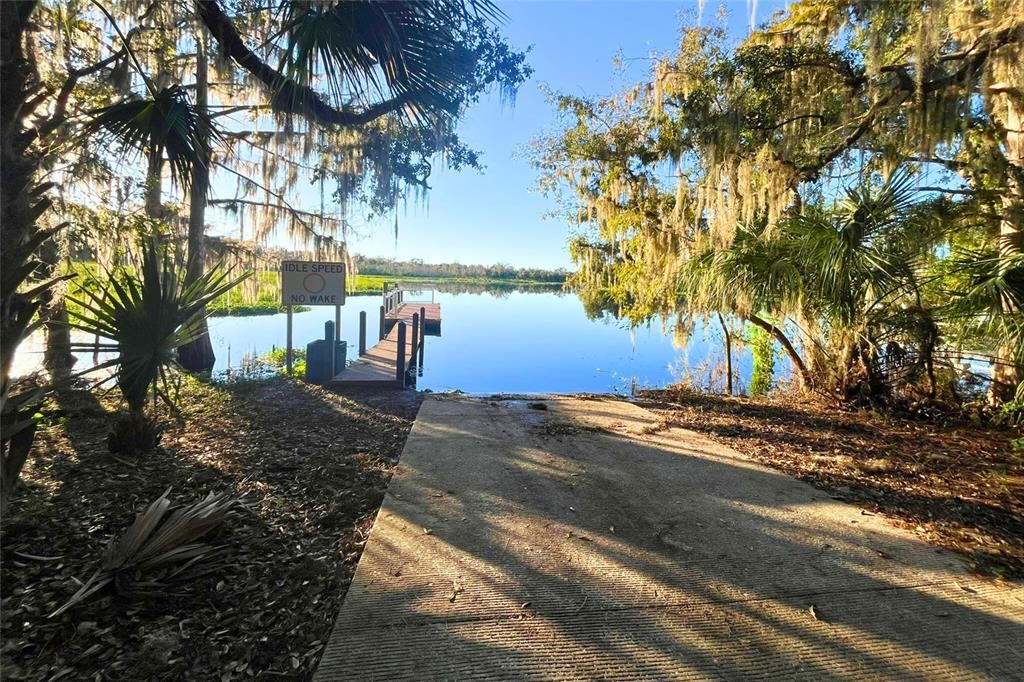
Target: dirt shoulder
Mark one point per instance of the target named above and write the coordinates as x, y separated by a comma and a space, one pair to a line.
959, 486
311, 468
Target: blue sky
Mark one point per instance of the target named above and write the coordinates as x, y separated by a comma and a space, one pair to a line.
496, 216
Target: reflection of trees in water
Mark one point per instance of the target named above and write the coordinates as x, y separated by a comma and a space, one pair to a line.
598, 303
496, 289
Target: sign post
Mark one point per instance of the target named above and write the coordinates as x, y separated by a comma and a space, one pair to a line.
288, 348
311, 283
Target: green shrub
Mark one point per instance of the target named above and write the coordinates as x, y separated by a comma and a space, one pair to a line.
278, 358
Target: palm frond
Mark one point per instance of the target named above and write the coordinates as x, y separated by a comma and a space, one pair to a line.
166, 124
362, 50
991, 300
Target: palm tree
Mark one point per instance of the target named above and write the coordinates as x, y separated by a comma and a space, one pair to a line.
858, 260
848, 269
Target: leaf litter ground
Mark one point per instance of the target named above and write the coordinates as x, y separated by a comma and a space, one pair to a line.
310, 467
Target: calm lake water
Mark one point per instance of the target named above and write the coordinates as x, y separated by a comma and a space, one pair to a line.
498, 342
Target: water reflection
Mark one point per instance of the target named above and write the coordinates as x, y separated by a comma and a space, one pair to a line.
503, 339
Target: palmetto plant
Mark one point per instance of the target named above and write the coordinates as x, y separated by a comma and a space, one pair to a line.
144, 313
755, 277
988, 310
162, 546
855, 253
850, 269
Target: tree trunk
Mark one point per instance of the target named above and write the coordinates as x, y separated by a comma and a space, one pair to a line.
154, 186
19, 236
802, 373
1007, 372
57, 357
198, 355
728, 355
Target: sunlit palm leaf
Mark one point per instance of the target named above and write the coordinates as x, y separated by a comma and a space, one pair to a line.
856, 252
992, 301
168, 124
754, 273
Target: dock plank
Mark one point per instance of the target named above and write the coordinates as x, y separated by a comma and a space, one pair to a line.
404, 312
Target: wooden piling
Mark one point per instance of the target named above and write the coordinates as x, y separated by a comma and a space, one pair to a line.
415, 337
381, 324
400, 364
288, 349
362, 333
423, 335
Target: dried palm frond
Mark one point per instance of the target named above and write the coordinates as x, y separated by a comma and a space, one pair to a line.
161, 546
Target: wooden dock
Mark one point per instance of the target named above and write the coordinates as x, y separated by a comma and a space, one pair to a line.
405, 311
394, 359
398, 307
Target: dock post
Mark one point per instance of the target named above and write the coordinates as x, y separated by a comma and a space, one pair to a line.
362, 332
423, 334
381, 324
400, 365
415, 337
329, 338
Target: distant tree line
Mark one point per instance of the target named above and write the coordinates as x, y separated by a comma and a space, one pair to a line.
417, 268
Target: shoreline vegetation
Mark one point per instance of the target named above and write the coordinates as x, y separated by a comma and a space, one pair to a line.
269, 300
263, 295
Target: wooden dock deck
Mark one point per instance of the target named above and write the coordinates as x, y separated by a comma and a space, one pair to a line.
404, 312
379, 364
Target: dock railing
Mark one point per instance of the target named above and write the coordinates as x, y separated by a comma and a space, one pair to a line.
412, 292
392, 298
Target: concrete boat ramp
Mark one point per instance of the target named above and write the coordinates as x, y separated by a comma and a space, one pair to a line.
578, 539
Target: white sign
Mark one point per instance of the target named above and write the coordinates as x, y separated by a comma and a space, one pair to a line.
312, 283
